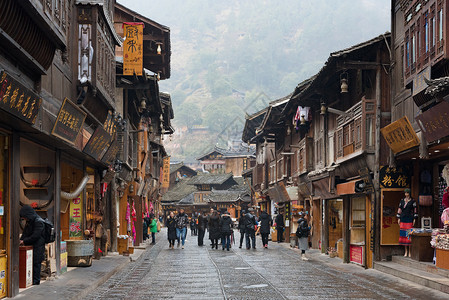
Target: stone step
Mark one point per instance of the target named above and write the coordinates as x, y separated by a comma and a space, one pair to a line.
431, 280
420, 265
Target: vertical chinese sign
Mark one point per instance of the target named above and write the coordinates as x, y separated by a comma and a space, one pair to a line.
166, 173
75, 221
133, 48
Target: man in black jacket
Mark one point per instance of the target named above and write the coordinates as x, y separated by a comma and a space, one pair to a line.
280, 226
250, 230
265, 224
202, 224
32, 235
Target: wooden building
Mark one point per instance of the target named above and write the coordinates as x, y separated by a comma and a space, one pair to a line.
420, 96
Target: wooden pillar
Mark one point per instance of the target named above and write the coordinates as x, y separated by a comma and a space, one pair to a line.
113, 215
324, 227
346, 232
57, 209
14, 217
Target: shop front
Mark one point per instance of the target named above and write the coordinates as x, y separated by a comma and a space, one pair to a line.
4, 207
358, 244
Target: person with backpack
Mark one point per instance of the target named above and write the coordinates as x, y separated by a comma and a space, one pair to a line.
302, 232
34, 235
225, 230
250, 229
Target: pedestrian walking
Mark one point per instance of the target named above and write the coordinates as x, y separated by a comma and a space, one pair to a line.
182, 220
202, 224
302, 232
225, 230
242, 227
153, 230
265, 224
407, 214
171, 230
214, 229
250, 229
32, 235
280, 227
146, 224
193, 226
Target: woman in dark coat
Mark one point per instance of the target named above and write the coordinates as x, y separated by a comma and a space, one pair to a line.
171, 230
214, 229
32, 235
265, 224
226, 230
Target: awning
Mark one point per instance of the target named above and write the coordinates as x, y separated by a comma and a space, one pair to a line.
278, 193
346, 188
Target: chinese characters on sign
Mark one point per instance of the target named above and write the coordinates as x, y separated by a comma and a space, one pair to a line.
166, 173
133, 48
394, 177
400, 135
434, 122
69, 122
75, 222
18, 100
98, 143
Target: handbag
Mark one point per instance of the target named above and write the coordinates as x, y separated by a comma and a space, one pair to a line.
425, 200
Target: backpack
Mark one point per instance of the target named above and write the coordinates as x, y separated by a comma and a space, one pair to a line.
302, 232
49, 233
249, 223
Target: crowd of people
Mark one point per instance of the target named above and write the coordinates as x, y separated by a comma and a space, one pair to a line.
220, 226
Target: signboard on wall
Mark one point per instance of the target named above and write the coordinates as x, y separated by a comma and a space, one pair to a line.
397, 177
434, 122
98, 143
18, 100
133, 48
69, 122
400, 135
356, 254
166, 172
75, 220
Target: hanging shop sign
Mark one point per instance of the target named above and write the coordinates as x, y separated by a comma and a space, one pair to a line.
69, 122
397, 177
133, 48
166, 172
400, 135
434, 123
75, 221
18, 100
111, 153
98, 143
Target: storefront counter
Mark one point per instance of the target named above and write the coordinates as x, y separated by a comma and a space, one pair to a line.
442, 257
420, 247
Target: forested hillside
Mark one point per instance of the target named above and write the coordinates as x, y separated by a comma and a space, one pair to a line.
233, 57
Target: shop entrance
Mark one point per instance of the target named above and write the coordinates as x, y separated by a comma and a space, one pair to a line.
4, 196
335, 219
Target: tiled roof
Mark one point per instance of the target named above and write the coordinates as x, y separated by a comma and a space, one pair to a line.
227, 196
180, 191
213, 179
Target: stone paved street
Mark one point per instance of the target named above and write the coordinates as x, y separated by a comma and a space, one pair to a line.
274, 273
